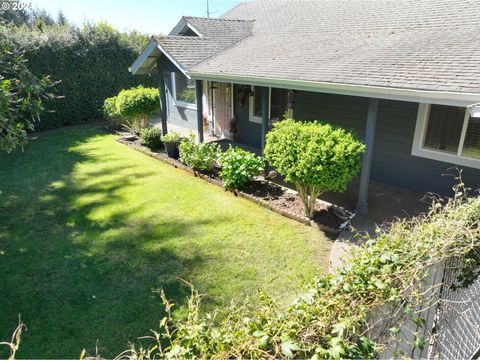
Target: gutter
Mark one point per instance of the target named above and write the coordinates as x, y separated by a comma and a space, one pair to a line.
391, 93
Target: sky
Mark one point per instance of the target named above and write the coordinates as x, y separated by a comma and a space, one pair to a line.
148, 16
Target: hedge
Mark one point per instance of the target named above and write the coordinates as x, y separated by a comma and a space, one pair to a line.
91, 64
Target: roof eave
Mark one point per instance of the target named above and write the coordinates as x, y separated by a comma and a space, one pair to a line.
136, 67
140, 60
181, 25
390, 93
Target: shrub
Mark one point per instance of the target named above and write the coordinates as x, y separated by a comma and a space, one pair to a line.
239, 167
333, 318
22, 96
315, 157
131, 108
151, 137
91, 64
198, 156
110, 112
172, 137
137, 103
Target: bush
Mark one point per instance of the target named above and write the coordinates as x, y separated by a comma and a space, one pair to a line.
22, 96
131, 108
110, 112
198, 156
151, 137
239, 167
172, 137
137, 103
333, 318
315, 157
91, 64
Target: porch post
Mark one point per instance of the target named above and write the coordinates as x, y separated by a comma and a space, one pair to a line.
199, 98
367, 156
163, 98
264, 115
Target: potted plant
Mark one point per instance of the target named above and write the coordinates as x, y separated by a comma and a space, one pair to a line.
171, 142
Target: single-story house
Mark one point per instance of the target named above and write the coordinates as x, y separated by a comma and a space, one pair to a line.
403, 74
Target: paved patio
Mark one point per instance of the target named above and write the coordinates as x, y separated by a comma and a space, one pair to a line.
385, 204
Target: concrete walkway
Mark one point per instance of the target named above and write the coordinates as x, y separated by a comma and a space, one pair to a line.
385, 204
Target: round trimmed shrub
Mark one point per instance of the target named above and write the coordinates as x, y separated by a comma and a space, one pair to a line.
137, 102
131, 108
314, 156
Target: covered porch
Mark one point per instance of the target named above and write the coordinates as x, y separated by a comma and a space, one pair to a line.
241, 115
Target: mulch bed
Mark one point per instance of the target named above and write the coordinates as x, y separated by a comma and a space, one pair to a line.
327, 217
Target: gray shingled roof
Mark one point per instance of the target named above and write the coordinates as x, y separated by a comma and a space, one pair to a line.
406, 44
217, 34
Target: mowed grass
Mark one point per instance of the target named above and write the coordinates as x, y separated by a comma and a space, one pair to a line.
90, 230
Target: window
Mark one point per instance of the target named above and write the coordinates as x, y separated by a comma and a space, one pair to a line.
471, 145
255, 105
183, 90
447, 133
278, 103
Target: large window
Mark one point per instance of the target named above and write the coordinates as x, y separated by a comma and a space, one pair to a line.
277, 104
447, 133
183, 89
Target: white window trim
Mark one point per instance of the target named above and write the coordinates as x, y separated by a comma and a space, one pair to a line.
253, 118
179, 103
419, 136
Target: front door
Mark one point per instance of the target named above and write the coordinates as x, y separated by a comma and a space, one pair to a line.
222, 104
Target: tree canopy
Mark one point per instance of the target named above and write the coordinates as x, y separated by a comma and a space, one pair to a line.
21, 96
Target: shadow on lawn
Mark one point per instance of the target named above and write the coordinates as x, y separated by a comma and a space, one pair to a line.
84, 279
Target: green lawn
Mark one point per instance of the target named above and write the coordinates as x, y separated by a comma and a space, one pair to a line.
90, 229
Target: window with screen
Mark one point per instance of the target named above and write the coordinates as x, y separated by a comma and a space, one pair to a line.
444, 128
471, 145
447, 133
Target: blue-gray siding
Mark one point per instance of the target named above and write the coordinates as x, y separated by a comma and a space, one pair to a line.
247, 132
392, 159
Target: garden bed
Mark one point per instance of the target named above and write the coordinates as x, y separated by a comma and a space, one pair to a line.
328, 217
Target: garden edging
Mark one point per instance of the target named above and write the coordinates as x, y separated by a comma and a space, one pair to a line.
257, 200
